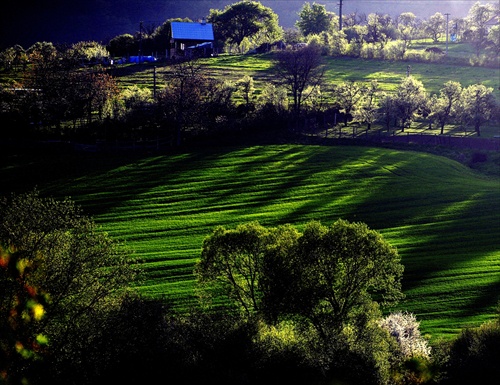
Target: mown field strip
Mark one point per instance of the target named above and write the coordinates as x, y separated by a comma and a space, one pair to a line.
339, 69
444, 219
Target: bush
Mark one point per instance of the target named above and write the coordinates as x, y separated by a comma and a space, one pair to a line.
479, 157
475, 356
284, 355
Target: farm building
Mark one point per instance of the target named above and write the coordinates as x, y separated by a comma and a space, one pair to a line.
191, 39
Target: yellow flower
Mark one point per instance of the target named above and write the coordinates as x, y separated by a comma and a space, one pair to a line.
38, 311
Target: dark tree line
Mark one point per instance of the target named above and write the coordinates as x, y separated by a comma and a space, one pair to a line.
59, 99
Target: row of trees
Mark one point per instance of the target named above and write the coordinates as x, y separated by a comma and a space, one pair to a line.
300, 307
300, 90
77, 103
86, 103
248, 24
361, 32
368, 36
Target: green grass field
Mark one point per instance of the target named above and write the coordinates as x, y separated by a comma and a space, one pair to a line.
443, 218
387, 73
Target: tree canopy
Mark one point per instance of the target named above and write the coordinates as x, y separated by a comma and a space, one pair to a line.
477, 105
409, 99
60, 278
314, 19
325, 274
245, 19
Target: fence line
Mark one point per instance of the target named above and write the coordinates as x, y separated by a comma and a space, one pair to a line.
466, 142
488, 144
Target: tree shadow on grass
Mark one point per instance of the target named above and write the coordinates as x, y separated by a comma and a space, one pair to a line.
439, 219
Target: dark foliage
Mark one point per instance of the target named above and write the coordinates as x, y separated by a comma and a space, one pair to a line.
475, 356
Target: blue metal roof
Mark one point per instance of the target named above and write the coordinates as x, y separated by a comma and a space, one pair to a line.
192, 31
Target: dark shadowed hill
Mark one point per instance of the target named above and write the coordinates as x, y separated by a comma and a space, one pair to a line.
25, 22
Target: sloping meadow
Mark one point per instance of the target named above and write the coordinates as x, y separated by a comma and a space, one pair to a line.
443, 218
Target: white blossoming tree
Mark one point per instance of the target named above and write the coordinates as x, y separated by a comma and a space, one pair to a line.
404, 327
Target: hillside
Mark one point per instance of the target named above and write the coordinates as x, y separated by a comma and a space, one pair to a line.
442, 217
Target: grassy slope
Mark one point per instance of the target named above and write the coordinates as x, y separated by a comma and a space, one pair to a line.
443, 218
388, 73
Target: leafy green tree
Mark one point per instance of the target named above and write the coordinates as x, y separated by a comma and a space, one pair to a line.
60, 93
272, 107
87, 52
103, 90
121, 45
235, 259
479, 14
246, 89
494, 40
379, 29
435, 26
244, 19
46, 50
314, 19
297, 70
14, 57
333, 42
341, 269
388, 109
323, 286
443, 107
347, 96
407, 27
48, 79
7, 58
274, 97
409, 99
325, 274
367, 111
356, 35
60, 281
477, 105
474, 354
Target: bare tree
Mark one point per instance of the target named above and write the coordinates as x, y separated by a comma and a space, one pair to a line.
298, 69
183, 94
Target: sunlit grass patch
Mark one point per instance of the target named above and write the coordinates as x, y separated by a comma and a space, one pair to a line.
442, 217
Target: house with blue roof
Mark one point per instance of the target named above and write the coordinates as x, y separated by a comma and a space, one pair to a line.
191, 39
